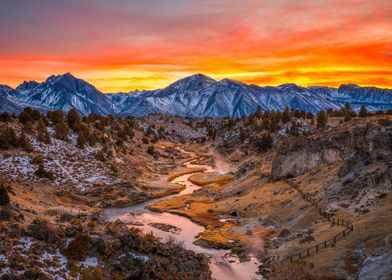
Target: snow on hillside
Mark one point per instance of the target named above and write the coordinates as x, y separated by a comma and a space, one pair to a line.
194, 96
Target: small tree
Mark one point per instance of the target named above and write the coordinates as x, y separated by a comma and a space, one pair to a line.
151, 150
348, 112
258, 113
25, 116
24, 143
286, 115
42, 173
8, 138
321, 119
265, 143
74, 120
81, 141
4, 198
363, 112
61, 130
42, 132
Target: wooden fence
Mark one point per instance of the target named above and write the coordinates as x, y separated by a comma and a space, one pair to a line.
330, 218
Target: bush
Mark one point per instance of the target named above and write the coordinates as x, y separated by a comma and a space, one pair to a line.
151, 150
321, 119
45, 231
100, 155
91, 273
55, 116
61, 130
8, 138
24, 143
294, 271
5, 117
77, 248
265, 143
38, 159
362, 112
42, 132
74, 120
42, 173
4, 197
81, 141
25, 117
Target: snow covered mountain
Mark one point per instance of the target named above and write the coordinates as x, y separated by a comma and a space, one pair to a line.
201, 96
64, 92
193, 96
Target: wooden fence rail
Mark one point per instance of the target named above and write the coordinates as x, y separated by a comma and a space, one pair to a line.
330, 218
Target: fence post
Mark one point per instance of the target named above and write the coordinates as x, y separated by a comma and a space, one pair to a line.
291, 259
334, 240
325, 244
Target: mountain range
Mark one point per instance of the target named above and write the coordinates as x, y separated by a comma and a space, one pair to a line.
193, 96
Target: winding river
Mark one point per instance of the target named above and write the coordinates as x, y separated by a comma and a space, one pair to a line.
223, 265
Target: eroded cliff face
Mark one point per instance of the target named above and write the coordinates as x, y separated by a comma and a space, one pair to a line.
348, 171
360, 145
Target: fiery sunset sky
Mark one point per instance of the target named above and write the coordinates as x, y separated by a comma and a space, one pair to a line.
123, 45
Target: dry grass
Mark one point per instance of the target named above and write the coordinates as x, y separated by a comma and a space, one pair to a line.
184, 171
210, 178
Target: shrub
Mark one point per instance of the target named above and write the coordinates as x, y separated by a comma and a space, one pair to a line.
74, 120
321, 119
91, 273
61, 130
5, 117
4, 197
38, 159
81, 141
25, 117
294, 271
45, 231
42, 173
24, 143
55, 116
265, 143
100, 155
8, 138
28, 127
151, 150
77, 248
42, 132
362, 112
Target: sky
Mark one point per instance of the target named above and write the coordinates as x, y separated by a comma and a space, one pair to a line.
122, 45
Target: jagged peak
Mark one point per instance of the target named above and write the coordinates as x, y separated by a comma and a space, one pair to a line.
227, 81
196, 77
27, 85
349, 86
290, 86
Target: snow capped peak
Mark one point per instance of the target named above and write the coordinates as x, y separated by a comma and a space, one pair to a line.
230, 82
194, 96
291, 87
27, 86
348, 87
197, 80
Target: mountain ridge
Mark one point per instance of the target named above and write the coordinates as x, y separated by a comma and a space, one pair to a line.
194, 96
